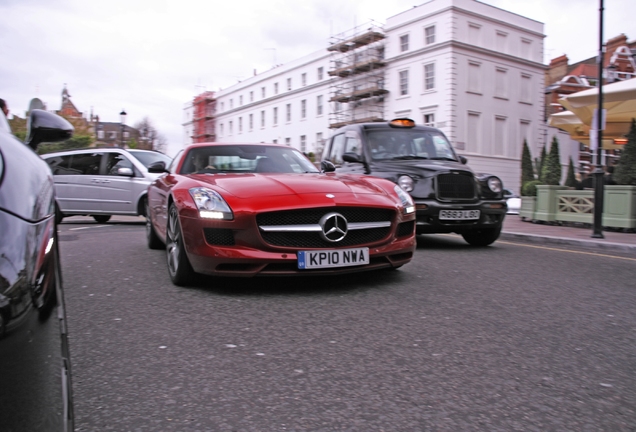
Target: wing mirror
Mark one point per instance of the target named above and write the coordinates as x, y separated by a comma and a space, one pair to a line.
327, 166
43, 126
157, 167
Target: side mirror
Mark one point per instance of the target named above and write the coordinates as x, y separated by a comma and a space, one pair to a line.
352, 157
463, 160
327, 166
43, 126
157, 167
126, 172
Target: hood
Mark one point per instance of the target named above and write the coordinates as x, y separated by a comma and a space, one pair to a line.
419, 167
255, 185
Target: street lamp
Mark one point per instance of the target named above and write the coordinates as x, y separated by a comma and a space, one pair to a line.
122, 116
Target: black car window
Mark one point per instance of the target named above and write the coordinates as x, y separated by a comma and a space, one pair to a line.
337, 149
116, 161
83, 163
352, 145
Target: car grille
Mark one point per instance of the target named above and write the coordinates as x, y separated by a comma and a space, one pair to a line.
456, 186
405, 229
303, 239
219, 236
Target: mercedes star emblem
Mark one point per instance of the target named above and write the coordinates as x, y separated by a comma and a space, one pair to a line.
334, 227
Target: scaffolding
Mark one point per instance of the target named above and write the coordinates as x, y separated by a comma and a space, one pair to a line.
203, 119
357, 65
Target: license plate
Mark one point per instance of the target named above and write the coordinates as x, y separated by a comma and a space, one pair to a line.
458, 214
333, 258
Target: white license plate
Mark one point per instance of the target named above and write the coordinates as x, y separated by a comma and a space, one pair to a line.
333, 258
458, 214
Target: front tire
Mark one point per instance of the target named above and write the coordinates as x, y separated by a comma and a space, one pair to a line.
482, 237
101, 218
154, 242
179, 267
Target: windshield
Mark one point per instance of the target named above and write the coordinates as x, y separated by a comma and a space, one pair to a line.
148, 157
393, 144
246, 159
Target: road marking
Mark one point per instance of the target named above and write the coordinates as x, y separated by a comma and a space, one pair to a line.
89, 227
566, 250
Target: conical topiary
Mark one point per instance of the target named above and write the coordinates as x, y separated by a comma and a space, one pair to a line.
527, 172
625, 171
542, 160
570, 180
551, 169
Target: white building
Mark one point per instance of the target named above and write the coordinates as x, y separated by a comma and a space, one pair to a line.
473, 70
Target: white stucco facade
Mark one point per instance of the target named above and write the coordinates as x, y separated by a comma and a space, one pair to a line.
468, 68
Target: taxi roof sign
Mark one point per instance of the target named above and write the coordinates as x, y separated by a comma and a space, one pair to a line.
402, 123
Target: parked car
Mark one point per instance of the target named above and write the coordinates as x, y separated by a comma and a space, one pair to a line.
448, 195
35, 388
513, 201
102, 182
260, 209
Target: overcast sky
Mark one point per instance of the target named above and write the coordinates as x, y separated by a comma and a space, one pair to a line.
150, 57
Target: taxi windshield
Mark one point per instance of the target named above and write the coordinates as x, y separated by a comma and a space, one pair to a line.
395, 144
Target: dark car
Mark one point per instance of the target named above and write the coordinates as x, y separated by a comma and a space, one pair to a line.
35, 386
448, 195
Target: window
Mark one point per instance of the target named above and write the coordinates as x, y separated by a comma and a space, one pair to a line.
100, 134
500, 136
241, 100
263, 93
429, 35
303, 79
319, 142
275, 116
303, 143
474, 33
319, 105
222, 106
429, 76
230, 127
116, 161
429, 119
526, 48
240, 125
221, 129
288, 112
501, 78
404, 82
473, 132
251, 96
303, 108
502, 40
251, 121
524, 132
78, 164
275, 88
262, 119
287, 141
337, 148
404, 42
320, 73
474, 77
231, 103
526, 85
289, 84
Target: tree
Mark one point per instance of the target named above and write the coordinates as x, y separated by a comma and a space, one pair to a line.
551, 169
570, 180
76, 142
527, 172
149, 137
625, 171
541, 164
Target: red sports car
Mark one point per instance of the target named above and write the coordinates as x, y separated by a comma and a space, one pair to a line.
266, 210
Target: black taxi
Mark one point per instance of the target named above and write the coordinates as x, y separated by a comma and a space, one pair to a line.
449, 197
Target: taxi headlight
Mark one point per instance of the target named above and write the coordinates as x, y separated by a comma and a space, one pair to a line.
405, 198
211, 204
495, 185
406, 183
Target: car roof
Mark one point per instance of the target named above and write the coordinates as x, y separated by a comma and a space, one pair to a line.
217, 144
386, 125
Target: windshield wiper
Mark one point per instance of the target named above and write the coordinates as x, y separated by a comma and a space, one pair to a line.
409, 157
445, 158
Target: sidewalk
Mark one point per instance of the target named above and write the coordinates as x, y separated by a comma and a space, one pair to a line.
519, 230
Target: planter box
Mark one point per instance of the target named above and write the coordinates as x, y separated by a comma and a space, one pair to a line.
619, 206
546, 209
528, 204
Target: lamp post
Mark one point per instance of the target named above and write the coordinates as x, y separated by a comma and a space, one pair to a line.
598, 172
122, 116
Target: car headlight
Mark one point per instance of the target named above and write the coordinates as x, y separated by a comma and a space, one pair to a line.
211, 204
407, 201
495, 185
406, 183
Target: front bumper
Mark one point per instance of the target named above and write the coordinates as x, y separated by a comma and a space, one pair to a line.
491, 215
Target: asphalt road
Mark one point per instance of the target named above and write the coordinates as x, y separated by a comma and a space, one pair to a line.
510, 337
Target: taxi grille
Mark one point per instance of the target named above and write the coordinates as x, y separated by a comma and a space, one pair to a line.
456, 186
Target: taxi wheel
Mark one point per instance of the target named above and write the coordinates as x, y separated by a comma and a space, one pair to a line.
101, 218
179, 267
482, 237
